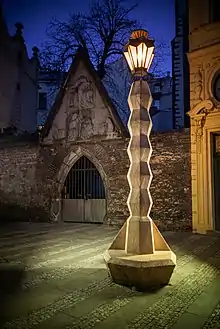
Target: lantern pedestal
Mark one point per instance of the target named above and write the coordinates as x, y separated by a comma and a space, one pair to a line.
142, 271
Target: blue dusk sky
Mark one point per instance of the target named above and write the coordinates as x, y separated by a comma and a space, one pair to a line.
157, 16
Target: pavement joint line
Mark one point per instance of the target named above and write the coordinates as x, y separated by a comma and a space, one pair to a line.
25, 246
36, 237
7, 234
101, 312
75, 245
45, 231
49, 263
67, 257
37, 316
58, 273
60, 259
51, 227
68, 269
199, 250
47, 245
26, 251
38, 243
196, 251
183, 294
17, 326
52, 246
213, 322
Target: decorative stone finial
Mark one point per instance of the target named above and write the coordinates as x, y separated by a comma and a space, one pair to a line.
19, 28
35, 52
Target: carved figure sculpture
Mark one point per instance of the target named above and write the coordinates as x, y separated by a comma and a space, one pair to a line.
198, 85
81, 98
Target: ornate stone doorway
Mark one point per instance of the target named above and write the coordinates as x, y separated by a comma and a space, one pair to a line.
83, 194
216, 179
205, 167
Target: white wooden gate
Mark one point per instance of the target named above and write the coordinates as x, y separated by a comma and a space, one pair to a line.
83, 195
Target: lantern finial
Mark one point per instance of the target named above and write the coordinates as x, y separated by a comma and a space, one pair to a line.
139, 34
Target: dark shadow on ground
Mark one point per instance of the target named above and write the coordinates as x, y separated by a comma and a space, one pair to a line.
12, 270
10, 282
13, 213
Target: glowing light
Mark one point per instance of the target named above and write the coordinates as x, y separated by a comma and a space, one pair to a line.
139, 51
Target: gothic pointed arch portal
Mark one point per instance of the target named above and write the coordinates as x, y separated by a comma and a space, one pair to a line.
83, 194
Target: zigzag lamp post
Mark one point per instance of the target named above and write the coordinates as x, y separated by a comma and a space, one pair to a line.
139, 256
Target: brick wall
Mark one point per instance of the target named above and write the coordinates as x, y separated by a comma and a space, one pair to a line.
28, 178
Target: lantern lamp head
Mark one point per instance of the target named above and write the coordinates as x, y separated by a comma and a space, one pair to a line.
139, 52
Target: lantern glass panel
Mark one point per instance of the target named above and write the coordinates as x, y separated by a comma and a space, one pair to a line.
152, 56
128, 59
133, 54
144, 54
149, 57
139, 55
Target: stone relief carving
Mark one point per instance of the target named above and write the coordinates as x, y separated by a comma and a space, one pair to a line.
55, 209
73, 125
110, 125
199, 132
81, 100
111, 128
198, 85
200, 119
82, 94
57, 133
211, 69
86, 116
82, 114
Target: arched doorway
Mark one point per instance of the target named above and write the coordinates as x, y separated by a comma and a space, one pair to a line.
83, 194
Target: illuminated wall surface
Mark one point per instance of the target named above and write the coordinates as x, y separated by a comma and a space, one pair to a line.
204, 62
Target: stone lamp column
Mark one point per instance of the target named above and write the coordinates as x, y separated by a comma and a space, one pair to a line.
139, 174
139, 256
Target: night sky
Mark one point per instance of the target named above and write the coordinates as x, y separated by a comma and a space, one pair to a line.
157, 16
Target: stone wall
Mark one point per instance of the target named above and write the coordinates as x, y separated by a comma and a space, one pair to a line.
28, 178
171, 184
18, 187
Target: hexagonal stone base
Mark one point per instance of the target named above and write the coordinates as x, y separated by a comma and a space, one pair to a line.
144, 272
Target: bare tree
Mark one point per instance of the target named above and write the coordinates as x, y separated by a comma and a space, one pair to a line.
103, 32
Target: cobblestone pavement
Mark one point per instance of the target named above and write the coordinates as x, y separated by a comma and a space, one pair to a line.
53, 276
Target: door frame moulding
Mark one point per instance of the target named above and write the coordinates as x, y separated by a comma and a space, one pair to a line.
205, 120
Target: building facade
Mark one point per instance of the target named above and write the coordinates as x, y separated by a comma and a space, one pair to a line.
180, 67
49, 83
117, 83
18, 82
204, 63
161, 108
